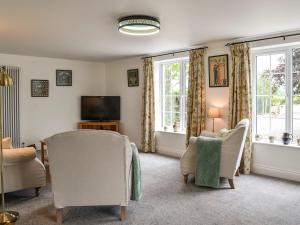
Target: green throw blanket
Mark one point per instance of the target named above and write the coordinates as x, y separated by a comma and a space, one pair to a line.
136, 185
208, 161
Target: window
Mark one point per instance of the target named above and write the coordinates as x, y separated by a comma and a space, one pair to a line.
172, 84
276, 91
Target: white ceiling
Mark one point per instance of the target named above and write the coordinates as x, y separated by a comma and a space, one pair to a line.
87, 29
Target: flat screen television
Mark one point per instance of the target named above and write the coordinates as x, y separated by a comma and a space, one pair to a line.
100, 108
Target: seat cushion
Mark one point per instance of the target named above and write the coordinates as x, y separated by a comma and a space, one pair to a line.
12, 156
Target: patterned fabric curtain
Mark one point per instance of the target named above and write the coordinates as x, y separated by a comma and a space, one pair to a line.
240, 96
196, 106
148, 122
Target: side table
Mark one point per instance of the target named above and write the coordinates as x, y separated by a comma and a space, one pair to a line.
43, 150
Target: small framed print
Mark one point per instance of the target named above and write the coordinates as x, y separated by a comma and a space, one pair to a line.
39, 88
133, 78
63, 77
218, 71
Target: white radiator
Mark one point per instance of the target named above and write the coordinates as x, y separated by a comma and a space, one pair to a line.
10, 107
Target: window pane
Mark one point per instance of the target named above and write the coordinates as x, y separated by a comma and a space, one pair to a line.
172, 79
296, 92
296, 83
271, 94
278, 84
176, 103
168, 103
263, 64
296, 116
263, 115
263, 125
187, 70
278, 109
263, 105
263, 84
278, 63
176, 118
277, 126
168, 119
296, 60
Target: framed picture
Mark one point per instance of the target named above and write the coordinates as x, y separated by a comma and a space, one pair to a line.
63, 77
39, 88
133, 78
218, 71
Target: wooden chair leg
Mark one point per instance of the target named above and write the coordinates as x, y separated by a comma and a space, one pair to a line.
185, 178
231, 183
237, 173
123, 213
37, 191
59, 216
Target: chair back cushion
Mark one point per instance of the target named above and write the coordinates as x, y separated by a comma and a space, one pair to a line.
232, 149
88, 167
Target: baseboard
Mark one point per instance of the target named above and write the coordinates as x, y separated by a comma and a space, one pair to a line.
276, 172
164, 150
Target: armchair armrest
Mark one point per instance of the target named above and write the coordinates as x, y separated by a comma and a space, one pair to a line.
6, 143
13, 156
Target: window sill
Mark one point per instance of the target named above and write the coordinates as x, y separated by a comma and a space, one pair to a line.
171, 132
264, 142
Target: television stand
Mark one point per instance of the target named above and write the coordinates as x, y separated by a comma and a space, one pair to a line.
105, 125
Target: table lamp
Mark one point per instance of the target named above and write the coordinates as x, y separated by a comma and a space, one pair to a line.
214, 113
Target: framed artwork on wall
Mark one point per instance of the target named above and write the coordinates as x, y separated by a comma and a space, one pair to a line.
39, 88
133, 78
63, 77
218, 71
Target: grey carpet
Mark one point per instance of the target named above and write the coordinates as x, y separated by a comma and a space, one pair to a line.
167, 200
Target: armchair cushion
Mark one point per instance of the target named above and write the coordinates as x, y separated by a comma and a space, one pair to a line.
223, 133
6, 143
12, 156
207, 133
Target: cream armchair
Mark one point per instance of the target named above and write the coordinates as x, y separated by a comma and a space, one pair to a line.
89, 167
22, 168
231, 153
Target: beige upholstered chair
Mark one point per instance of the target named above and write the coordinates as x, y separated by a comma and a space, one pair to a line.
89, 167
22, 168
231, 153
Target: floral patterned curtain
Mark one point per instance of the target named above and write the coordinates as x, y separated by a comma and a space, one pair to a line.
148, 122
240, 96
196, 106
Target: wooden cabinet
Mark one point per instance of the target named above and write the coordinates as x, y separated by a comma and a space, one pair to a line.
108, 125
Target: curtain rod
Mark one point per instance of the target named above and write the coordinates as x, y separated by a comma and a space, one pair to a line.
172, 53
263, 39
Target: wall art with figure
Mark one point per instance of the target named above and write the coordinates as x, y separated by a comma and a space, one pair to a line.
218, 71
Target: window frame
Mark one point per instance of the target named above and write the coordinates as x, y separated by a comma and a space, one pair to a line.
160, 64
287, 50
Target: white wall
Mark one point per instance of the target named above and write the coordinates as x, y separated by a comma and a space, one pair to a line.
276, 160
131, 97
43, 116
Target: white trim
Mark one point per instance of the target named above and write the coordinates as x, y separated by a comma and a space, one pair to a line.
260, 168
287, 50
264, 142
171, 132
182, 61
165, 150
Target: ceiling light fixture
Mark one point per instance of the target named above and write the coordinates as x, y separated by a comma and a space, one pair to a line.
139, 25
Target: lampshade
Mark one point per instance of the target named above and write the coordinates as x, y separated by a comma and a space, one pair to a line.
139, 25
5, 79
214, 113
